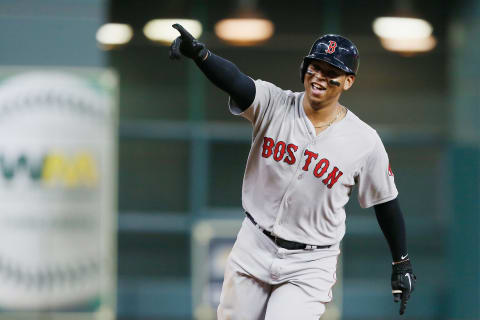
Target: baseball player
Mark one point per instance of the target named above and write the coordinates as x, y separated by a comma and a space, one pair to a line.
308, 152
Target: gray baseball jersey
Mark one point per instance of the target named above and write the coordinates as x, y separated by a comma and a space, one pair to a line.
296, 182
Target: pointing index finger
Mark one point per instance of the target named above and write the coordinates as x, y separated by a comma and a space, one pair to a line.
183, 32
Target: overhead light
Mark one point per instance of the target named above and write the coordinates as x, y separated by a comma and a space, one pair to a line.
409, 46
244, 31
402, 28
114, 34
160, 30
405, 35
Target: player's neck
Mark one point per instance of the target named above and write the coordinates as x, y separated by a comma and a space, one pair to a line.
322, 112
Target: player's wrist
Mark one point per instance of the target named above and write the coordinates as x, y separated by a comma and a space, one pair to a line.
400, 261
402, 266
202, 55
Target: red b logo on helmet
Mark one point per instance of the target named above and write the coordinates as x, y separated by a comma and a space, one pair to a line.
331, 47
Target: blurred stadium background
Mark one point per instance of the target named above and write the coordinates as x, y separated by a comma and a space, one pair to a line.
181, 155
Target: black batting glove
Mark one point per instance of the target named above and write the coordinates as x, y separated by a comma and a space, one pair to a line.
188, 46
403, 283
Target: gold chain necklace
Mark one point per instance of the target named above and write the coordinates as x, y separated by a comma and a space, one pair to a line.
328, 124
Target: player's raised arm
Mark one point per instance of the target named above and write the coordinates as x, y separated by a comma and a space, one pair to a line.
221, 72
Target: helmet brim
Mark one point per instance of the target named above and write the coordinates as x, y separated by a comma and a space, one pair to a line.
330, 60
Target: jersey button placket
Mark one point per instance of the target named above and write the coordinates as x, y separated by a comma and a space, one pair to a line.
286, 199
283, 206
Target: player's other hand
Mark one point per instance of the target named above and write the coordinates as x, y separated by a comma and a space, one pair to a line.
403, 283
187, 45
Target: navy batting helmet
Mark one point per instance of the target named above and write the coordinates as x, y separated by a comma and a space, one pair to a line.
335, 50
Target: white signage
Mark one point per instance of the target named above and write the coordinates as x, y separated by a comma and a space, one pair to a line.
57, 189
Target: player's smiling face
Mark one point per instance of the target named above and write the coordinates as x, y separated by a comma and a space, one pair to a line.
318, 90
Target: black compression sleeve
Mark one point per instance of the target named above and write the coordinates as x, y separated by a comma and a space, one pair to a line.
390, 219
225, 75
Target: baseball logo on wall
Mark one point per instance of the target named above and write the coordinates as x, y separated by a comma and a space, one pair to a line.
57, 182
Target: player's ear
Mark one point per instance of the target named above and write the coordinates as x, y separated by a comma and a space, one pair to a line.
349, 80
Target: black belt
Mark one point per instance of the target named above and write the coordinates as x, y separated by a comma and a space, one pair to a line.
286, 244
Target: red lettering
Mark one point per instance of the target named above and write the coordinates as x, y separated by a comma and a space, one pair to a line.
279, 151
390, 172
290, 159
268, 144
321, 168
310, 155
332, 177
